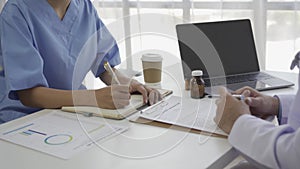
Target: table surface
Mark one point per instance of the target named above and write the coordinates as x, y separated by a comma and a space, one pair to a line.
142, 146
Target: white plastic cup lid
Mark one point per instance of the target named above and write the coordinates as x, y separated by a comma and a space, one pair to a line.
151, 57
197, 73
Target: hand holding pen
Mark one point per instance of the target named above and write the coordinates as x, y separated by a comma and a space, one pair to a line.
262, 106
114, 96
150, 95
229, 109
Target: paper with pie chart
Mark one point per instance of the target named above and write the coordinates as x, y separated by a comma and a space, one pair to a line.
60, 134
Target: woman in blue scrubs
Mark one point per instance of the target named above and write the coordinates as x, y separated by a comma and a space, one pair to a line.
41, 41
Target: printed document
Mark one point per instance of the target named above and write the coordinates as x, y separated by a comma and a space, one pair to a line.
60, 134
191, 113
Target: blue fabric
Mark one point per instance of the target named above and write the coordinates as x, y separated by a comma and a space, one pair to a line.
39, 49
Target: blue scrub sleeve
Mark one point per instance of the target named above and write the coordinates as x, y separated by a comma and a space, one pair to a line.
112, 57
107, 49
23, 65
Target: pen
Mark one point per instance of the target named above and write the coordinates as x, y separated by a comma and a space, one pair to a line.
238, 96
108, 68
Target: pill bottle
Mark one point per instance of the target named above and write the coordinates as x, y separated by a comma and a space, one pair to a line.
197, 85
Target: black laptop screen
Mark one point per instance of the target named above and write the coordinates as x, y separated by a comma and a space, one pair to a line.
233, 43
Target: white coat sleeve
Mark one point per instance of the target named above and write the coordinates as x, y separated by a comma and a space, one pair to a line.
285, 106
265, 143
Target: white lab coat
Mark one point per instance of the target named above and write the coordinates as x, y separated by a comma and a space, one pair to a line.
269, 145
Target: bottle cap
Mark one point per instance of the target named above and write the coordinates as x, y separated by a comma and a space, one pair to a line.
197, 73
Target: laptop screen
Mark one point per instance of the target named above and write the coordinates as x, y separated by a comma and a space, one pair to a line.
218, 48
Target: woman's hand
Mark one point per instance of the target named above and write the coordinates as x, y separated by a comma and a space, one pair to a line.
150, 95
113, 97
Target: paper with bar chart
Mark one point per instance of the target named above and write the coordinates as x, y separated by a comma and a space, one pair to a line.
60, 134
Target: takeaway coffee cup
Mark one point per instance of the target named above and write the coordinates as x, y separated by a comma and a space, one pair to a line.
152, 65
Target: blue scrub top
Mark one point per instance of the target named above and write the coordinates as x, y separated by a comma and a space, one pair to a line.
39, 49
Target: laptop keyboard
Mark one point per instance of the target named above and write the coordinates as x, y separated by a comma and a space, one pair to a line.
237, 79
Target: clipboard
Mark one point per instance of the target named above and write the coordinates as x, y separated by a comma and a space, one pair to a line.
181, 114
142, 120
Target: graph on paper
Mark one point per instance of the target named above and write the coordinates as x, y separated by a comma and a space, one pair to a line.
60, 134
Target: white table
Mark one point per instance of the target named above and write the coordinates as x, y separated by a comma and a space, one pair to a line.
142, 146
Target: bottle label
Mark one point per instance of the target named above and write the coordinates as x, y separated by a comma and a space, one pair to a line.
197, 91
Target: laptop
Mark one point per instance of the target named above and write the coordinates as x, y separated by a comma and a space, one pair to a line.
225, 52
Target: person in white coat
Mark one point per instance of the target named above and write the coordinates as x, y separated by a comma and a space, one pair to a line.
262, 143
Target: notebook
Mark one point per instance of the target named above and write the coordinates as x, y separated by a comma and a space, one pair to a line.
225, 51
136, 102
